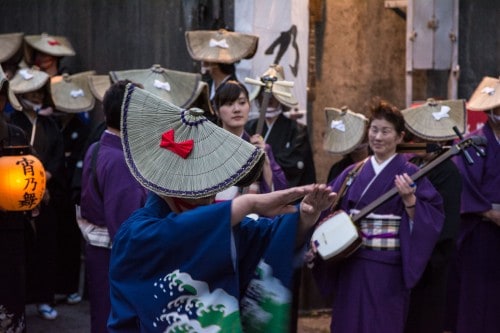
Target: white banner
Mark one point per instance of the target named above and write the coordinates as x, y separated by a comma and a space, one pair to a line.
283, 30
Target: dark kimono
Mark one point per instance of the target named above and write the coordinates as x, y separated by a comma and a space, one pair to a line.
478, 269
12, 251
192, 271
428, 297
290, 144
372, 287
41, 235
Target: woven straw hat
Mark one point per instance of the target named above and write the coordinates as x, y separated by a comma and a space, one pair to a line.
197, 158
345, 130
28, 80
435, 120
98, 85
57, 46
71, 93
486, 96
220, 46
282, 93
4, 85
10, 44
179, 88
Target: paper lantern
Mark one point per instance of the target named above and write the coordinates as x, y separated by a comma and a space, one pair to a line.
22, 179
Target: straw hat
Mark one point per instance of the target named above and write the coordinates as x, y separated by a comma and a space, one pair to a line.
57, 46
71, 93
345, 130
4, 84
98, 85
182, 153
282, 93
28, 80
486, 96
179, 88
435, 120
220, 46
9, 45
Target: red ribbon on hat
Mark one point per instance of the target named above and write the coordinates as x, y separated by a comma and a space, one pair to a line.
183, 148
53, 42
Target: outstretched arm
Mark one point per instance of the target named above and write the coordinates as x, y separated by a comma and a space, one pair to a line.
268, 204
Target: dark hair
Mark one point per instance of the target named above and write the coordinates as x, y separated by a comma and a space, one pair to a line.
227, 69
112, 103
382, 109
229, 91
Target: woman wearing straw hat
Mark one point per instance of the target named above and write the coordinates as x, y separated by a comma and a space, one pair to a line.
372, 286
32, 89
232, 108
181, 261
477, 275
12, 248
433, 122
46, 51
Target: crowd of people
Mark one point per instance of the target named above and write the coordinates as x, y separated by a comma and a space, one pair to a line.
190, 215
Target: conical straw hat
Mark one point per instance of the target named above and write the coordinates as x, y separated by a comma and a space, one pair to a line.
220, 46
215, 159
71, 93
435, 120
9, 45
57, 46
28, 80
345, 130
4, 85
178, 88
486, 96
282, 93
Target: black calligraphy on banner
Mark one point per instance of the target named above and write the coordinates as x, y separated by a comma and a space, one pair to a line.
283, 42
29, 197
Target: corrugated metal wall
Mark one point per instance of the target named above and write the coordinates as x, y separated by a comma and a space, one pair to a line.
118, 34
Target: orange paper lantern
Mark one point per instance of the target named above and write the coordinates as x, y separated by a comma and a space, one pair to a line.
22, 180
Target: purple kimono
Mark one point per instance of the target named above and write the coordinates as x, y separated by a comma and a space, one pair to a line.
478, 269
121, 196
371, 287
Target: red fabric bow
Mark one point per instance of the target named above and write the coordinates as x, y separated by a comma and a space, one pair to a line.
183, 149
53, 42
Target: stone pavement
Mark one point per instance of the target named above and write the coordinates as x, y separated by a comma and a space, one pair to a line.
71, 319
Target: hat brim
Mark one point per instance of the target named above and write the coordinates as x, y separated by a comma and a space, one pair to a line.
183, 88
347, 135
99, 84
218, 159
63, 88
238, 46
423, 120
486, 96
57, 46
11, 44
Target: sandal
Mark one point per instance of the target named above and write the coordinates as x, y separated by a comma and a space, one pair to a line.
73, 298
46, 311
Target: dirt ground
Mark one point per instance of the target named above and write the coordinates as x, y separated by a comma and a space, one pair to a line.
314, 323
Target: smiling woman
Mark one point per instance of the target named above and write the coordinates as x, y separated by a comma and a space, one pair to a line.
397, 236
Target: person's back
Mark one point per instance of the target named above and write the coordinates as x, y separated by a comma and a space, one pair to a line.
109, 196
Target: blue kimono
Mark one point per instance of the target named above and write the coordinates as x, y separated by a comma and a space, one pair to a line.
371, 288
189, 272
